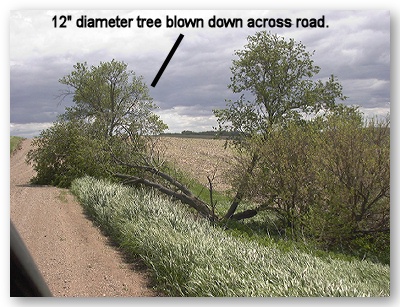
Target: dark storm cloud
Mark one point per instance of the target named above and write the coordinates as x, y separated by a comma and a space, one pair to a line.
34, 88
355, 48
199, 73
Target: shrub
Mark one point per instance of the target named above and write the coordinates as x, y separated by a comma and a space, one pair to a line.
66, 151
112, 115
328, 180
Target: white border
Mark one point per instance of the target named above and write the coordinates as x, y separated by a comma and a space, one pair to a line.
249, 4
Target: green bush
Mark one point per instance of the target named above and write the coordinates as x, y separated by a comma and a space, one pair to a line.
328, 180
112, 115
66, 151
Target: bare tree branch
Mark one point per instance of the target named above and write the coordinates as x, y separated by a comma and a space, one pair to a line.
190, 200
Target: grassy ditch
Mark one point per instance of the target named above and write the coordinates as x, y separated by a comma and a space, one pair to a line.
190, 257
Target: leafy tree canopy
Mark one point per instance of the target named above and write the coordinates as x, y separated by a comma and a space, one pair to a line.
279, 76
112, 118
113, 98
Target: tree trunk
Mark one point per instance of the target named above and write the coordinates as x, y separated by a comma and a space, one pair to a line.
190, 200
244, 215
240, 192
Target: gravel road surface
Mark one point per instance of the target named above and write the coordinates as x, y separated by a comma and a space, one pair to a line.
73, 256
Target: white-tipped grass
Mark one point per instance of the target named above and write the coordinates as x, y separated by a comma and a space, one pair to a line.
191, 257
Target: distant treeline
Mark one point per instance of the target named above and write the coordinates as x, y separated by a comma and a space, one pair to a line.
202, 134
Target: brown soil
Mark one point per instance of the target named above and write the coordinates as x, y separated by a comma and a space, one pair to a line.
200, 158
73, 256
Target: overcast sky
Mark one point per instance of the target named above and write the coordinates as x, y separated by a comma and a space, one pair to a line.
355, 47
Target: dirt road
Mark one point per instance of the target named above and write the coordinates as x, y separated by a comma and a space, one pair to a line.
73, 256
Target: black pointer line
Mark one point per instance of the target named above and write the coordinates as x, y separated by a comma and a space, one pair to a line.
166, 62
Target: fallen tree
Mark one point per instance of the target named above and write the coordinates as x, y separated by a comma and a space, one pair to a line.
178, 191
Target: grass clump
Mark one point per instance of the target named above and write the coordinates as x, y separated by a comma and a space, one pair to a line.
15, 143
191, 257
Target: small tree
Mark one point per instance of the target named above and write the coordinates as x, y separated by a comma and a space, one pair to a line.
328, 179
65, 151
112, 119
354, 157
286, 179
112, 98
279, 76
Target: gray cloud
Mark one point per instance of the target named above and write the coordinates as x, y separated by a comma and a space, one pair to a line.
355, 48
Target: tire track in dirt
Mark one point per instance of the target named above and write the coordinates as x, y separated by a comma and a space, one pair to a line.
73, 256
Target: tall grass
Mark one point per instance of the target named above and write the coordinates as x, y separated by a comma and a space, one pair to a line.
191, 257
15, 143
